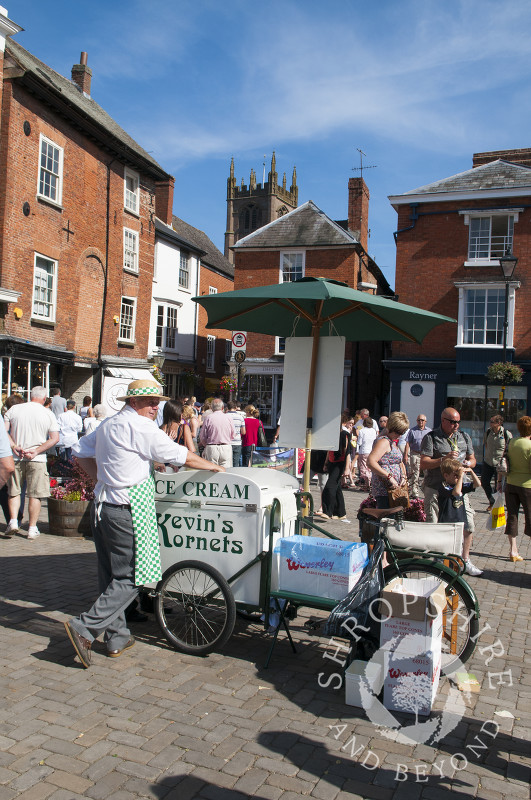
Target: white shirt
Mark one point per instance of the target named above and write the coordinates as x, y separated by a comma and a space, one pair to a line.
70, 425
91, 423
30, 424
366, 437
238, 419
124, 447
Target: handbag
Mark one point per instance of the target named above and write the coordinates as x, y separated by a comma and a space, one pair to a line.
497, 515
261, 440
399, 496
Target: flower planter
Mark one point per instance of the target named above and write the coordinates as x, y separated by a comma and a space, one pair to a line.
69, 518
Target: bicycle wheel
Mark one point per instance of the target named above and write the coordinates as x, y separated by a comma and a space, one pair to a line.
202, 606
460, 619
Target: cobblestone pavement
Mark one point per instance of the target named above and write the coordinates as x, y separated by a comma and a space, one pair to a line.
158, 724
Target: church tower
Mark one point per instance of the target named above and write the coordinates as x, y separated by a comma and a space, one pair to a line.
250, 207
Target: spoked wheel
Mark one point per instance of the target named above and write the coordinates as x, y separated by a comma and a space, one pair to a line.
460, 619
202, 606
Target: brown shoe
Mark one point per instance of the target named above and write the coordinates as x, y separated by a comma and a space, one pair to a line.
115, 653
81, 645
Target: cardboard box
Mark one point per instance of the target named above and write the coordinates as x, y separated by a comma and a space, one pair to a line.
413, 606
411, 637
366, 673
320, 567
411, 681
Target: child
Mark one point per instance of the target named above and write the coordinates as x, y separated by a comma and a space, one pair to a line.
452, 503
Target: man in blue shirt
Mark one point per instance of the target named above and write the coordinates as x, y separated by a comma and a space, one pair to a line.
412, 453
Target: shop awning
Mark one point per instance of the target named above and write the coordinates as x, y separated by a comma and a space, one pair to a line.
129, 373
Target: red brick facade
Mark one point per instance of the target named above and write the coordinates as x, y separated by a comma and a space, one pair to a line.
83, 234
209, 278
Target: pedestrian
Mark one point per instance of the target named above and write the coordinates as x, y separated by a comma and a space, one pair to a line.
7, 468
58, 404
496, 441
440, 443
101, 412
238, 421
175, 426
70, 426
86, 409
12, 400
412, 454
337, 465
33, 430
452, 503
119, 456
250, 437
217, 433
190, 416
386, 461
366, 438
518, 486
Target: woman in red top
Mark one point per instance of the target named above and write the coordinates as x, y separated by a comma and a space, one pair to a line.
250, 437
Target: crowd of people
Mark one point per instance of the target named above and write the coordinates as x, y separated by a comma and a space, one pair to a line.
390, 455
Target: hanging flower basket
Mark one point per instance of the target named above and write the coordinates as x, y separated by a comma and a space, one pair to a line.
504, 372
228, 384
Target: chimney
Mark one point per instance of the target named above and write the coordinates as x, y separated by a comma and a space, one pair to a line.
164, 199
358, 210
82, 75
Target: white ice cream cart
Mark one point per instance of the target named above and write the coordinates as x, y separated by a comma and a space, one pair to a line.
217, 532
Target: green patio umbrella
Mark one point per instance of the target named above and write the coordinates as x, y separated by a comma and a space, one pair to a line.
317, 307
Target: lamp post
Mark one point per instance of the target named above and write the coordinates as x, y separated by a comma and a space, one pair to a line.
508, 264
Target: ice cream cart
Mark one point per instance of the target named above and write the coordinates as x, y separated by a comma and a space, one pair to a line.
217, 533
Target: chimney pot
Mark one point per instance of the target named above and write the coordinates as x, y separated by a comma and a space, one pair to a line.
83, 59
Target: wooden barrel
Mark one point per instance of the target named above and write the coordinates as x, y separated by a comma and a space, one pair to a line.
69, 518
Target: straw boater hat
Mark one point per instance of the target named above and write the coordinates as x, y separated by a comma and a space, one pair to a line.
143, 388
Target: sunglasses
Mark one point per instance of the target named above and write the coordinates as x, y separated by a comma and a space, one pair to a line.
452, 421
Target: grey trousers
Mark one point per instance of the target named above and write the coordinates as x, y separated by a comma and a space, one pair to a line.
115, 549
414, 466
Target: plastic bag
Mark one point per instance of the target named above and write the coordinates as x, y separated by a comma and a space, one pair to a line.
497, 515
357, 604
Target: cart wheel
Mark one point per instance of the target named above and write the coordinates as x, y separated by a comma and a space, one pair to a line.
202, 606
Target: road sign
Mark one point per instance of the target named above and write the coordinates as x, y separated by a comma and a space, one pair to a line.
239, 356
239, 340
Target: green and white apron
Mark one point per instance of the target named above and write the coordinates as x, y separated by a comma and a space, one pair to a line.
147, 550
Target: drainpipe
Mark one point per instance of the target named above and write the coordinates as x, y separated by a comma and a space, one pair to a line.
97, 391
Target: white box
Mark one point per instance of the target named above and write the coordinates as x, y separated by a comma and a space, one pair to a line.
320, 567
366, 673
411, 681
412, 607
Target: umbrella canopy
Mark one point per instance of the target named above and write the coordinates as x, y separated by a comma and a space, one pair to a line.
317, 307
297, 307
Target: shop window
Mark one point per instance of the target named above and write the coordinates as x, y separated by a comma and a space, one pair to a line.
477, 404
258, 390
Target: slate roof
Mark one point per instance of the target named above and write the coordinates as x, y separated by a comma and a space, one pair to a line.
305, 226
199, 240
90, 117
497, 174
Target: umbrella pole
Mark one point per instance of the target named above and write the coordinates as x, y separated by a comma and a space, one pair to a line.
309, 412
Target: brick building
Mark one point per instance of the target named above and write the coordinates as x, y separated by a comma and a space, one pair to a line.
450, 236
215, 274
306, 242
78, 201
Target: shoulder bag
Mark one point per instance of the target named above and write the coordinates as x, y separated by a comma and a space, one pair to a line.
261, 440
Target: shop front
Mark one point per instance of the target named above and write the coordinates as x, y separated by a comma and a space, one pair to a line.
24, 365
430, 386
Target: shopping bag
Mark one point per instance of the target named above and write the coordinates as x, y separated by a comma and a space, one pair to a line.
497, 515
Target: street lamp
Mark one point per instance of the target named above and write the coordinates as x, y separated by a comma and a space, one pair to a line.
508, 264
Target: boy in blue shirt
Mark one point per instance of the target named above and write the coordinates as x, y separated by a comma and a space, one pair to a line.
452, 505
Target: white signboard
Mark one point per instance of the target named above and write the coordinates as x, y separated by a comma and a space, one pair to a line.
327, 397
239, 342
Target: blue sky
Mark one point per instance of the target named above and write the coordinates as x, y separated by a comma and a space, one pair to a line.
417, 85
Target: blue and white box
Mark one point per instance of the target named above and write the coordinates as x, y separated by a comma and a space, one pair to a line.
321, 567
